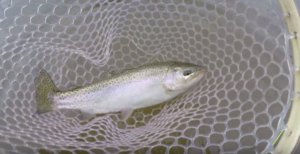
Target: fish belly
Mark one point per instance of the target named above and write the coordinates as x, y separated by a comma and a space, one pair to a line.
132, 95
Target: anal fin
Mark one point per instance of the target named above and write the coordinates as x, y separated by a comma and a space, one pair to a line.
126, 113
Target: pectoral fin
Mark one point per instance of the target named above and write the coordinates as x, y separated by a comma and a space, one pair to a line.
126, 113
85, 115
168, 90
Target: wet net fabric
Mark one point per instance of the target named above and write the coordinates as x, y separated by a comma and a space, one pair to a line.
237, 108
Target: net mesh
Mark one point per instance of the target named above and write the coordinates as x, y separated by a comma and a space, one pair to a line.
237, 107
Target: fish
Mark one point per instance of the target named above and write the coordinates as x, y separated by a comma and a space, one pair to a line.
132, 89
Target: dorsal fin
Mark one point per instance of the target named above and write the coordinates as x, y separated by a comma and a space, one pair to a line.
73, 87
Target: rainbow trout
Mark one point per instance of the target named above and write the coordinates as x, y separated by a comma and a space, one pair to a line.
132, 89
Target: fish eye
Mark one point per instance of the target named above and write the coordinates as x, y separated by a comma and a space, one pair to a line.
187, 73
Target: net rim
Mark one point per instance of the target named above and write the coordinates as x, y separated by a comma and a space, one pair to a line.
290, 137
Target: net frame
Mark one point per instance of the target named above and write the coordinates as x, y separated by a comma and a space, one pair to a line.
290, 137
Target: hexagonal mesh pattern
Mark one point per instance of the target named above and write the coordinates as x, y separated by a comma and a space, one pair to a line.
235, 109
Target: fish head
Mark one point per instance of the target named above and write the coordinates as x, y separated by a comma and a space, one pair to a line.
181, 76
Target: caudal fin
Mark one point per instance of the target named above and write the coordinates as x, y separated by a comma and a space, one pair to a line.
44, 89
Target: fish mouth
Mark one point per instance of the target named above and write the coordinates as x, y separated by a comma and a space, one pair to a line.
198, 75
200, 72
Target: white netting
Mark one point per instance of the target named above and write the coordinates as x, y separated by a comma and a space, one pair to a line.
235, 109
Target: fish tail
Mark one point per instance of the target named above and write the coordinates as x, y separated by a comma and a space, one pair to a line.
45, 89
